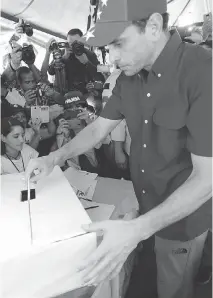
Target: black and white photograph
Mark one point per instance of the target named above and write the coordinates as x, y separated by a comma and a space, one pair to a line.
106, 149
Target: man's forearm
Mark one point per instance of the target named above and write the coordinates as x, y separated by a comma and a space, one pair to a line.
45, 66
184, 201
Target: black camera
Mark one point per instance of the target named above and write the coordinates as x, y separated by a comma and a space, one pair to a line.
28, 55
27, 28
78, 48
58, 45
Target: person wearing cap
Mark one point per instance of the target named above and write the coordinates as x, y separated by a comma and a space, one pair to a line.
164, 94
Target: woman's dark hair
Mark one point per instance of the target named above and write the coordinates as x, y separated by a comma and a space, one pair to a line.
75, 31
141, 24
22, 71
6, 127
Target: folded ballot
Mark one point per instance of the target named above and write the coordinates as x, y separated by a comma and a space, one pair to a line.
42, 242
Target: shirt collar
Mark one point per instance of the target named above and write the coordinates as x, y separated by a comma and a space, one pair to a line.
167, 54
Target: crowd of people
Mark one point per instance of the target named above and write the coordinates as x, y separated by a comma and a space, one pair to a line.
74, 99
39, 117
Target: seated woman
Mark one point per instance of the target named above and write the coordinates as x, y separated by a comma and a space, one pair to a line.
15, 154
35, 131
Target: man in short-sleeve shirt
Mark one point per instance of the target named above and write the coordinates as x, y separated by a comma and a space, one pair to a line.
164, 94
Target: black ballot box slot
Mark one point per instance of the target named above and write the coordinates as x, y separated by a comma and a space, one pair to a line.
24, 195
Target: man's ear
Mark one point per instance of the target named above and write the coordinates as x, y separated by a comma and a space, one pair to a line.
154, 26
3, 139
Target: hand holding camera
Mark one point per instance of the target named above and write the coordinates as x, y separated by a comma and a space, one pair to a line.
31, 97
68, 52
84, 115
48, 45
23, 27
63, 127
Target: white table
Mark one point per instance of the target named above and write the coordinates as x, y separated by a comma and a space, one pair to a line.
119, 193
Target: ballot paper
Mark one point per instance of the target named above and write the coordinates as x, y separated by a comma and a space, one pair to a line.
48, 266
80, 180
88, 194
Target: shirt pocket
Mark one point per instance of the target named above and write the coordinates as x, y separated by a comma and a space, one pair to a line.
170, 132
170, 117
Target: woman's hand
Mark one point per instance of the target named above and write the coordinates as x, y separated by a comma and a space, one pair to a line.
63, 126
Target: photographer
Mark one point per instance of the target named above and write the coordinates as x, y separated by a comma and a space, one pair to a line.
80, 63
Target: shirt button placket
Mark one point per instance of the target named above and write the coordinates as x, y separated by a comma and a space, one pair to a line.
145, 145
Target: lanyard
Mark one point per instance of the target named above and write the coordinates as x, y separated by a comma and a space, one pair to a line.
14, 164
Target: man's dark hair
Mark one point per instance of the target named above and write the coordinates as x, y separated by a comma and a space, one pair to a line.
22, 71
141, 24
75, 31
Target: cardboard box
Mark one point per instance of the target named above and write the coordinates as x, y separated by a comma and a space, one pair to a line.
47, 266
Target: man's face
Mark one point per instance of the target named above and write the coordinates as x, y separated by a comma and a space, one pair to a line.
72, 38
28, 82
132, 51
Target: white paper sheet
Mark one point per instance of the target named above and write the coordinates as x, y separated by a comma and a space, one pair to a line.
79, 179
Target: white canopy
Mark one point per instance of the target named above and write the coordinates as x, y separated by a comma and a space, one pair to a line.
57, 17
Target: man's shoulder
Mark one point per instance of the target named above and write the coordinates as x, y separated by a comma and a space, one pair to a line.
195, 56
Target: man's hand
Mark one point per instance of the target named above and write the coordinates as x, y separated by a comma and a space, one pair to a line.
121, 160
84, 115
83, 58
120, 238
43, 166
30, 97
49, 44
19, 28
90, 86
63, 126
68, 52
36, 125
46, 89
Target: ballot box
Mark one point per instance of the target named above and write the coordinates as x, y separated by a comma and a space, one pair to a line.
42, 243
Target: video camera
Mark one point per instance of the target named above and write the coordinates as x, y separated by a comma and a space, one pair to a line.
77, 47
27, 28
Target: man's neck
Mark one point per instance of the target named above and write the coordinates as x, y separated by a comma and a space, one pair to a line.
159, 48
